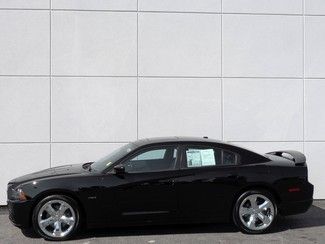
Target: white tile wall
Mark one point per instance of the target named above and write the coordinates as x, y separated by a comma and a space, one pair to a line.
80, 77
24, 42
170, 106
263, 6
25, 111
181, 5
20, 159
315, 113
95, 4
76, 153
94, 109
315, 6
94, 43
30, 4
174, 44
315, 154
315, 51
262, 46
263, 109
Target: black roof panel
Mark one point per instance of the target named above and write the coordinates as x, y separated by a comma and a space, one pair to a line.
153, 140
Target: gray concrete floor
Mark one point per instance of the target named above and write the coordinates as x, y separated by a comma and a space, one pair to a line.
299, 229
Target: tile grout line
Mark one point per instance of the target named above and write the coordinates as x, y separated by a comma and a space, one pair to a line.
50, 2
137, 69
167, 77
157, 11
221, 67
62, 142
94, 142
303, 71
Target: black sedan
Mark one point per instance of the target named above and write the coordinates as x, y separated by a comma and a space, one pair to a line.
160, 181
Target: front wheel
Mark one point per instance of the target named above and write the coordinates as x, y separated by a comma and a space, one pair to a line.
56, 217
255, 212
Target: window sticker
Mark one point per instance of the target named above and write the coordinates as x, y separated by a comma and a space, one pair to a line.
193, 158
207, 156
200, 157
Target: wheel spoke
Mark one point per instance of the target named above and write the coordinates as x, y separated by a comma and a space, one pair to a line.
251, 221
46, 222
252, 199
265, 219
265, 205
57, 228
68, 220
62, 209
244, 211
50, 210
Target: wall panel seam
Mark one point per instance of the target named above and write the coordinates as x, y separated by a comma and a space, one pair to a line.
157, 11
221, 72
304, 73
50, 63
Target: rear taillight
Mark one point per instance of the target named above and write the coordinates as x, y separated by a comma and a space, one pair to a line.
294, 189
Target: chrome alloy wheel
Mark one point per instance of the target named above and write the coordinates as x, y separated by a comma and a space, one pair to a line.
56, 218
256, 212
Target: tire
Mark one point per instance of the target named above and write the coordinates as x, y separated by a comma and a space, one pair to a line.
255, 218
56, 218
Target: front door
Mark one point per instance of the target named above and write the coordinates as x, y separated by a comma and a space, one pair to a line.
146, 191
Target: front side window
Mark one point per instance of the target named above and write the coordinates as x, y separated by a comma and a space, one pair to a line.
151, 155
208, 156
111, 158
151, 160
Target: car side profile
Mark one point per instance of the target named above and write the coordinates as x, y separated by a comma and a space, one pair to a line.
162, 181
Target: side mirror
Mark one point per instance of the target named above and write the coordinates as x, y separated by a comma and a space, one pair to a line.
119, 169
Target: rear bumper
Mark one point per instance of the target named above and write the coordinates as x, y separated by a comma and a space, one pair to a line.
296, 207
20, 213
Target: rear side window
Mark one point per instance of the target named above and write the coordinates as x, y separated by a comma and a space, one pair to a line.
208, 156
229, 157
200, 157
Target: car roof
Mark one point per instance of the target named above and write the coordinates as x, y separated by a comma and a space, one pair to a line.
154, 140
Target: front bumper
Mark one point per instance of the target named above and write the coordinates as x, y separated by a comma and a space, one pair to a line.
20, 213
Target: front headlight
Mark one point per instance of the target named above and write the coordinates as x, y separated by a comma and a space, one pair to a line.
17, 194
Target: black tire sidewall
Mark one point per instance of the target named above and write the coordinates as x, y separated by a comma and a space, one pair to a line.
67, 199
236, 217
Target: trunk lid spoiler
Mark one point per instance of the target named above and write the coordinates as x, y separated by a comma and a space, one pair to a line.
297, 157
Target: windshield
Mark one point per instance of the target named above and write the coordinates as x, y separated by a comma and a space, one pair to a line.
111, 158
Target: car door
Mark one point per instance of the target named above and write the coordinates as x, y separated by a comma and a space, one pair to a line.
207, 182
146, 191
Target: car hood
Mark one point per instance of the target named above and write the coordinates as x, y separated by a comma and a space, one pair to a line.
71, 169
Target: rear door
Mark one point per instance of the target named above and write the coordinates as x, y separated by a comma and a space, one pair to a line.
207, 182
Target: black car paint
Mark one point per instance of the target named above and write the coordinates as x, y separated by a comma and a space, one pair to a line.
204, 194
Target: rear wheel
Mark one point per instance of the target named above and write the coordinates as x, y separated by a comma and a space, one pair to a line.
56, 217
255, 211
